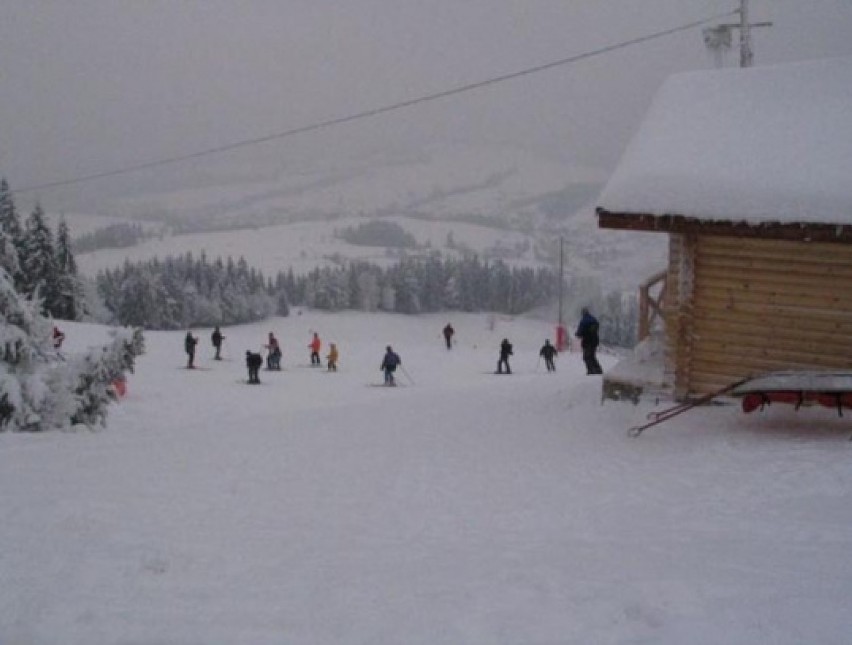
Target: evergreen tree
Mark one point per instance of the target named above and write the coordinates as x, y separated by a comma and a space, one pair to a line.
38, 262
39, 390
70, 290
11, 233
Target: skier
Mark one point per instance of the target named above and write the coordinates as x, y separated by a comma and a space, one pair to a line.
448, 335
58, 337
216, 338
253, 361
587, 332
389, 365
273, 358
332, 357
189, 344
548, 351
505, 353
315, 346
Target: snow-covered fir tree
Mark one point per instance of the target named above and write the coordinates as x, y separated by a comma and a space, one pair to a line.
182, 292
69, 288
39, 390
38, 260
10, 227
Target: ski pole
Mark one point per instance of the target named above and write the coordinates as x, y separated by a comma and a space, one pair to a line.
406, 374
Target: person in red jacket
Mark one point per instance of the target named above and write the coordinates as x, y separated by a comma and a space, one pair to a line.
315, 346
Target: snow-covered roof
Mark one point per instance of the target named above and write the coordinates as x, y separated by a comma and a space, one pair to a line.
763, 144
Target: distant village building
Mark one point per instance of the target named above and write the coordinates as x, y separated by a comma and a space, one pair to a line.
749, 173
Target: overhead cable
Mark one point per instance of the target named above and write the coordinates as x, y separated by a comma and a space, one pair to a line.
374, 111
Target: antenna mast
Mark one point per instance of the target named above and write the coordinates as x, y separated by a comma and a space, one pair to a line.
718, 39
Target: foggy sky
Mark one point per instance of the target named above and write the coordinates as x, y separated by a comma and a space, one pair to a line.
93, 85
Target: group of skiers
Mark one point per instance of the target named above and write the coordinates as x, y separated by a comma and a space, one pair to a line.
254, 360
587, 332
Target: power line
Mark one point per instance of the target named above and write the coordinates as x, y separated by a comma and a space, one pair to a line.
374, 111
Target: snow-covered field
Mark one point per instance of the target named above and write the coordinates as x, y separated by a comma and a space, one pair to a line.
301, 246
461, 508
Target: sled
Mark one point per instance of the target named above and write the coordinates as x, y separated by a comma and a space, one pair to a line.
828, 389
797, 388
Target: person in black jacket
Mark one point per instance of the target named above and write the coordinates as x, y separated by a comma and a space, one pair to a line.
216, 338
505, 353
587, 332
389, 364
448, 335
189, 344
547, 352
253, 361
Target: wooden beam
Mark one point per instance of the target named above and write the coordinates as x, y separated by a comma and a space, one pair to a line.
791, 231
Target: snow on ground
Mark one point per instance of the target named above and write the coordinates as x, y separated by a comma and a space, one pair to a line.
461, 508
302, 246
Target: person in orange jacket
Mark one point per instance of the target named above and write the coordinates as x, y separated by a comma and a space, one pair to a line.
332, 357
315, 346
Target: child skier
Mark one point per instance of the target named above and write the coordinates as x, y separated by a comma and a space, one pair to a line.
332, 357
189, 344
315, 346
253, 361
448, 335
216, 338
58, 337
505, 353
547, 352
273, 358
389, 365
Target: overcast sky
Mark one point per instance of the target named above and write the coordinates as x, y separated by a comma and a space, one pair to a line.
93, 85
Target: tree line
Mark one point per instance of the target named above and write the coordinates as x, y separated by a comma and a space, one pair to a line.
187, 291
45, 268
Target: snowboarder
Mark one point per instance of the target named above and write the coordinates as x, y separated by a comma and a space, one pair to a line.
189, 344
505, 353
332, 357
273, 358
315, 346
547, 352
253, 361
448, 335
587, 332
389, 365
216, 338
58, 337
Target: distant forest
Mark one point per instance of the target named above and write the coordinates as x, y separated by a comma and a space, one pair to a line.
187, 291
114, 236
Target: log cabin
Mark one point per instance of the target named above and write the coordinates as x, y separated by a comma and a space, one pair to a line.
749, 174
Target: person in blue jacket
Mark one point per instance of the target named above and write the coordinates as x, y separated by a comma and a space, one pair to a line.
389, 365
587, 332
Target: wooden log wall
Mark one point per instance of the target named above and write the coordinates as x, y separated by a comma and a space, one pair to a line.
762, 305
678, 311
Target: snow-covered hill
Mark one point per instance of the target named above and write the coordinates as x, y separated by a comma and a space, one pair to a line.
496, 201
499, 183
461, 508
